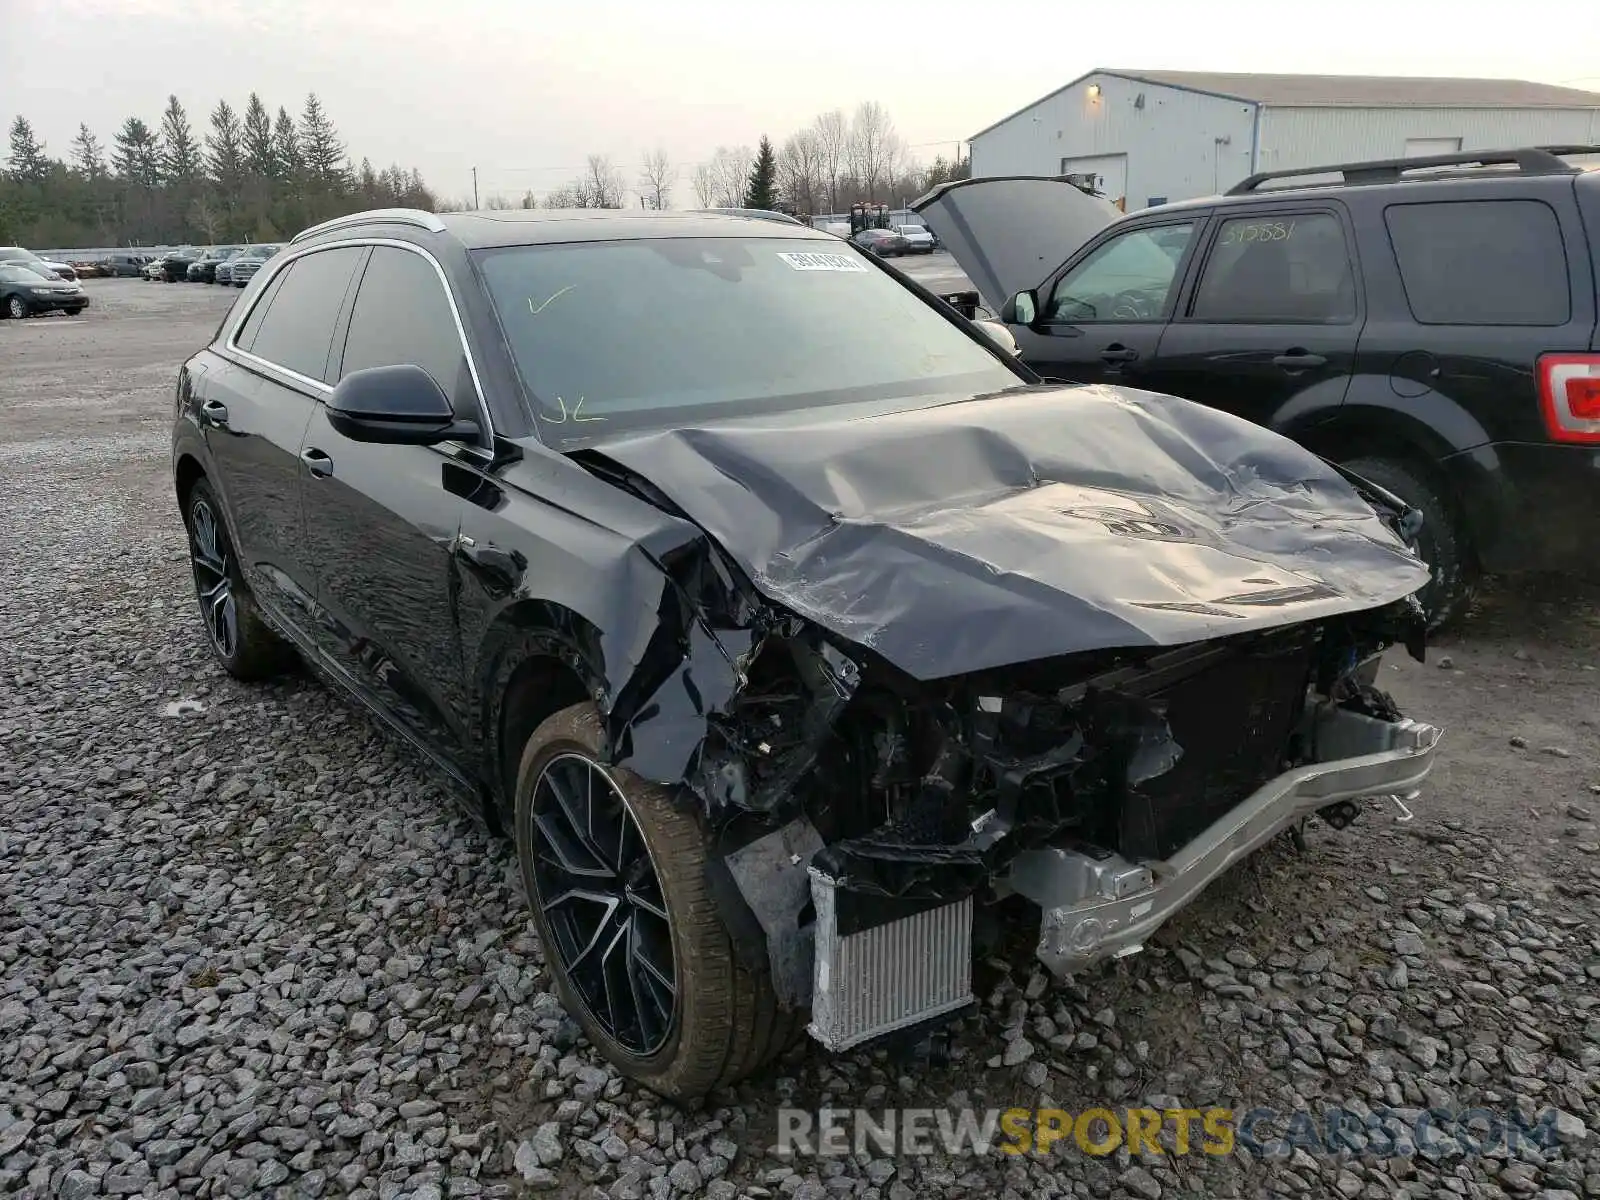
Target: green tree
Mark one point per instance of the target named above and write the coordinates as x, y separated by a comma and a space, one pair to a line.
135, 154
286, 147
180, 152
224, 156
27, 161
762, 191
88, 156
320, 147
260, 156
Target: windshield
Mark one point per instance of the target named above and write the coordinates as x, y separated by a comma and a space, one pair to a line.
611, 336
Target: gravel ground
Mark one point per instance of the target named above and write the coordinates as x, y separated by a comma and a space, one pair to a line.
247, 946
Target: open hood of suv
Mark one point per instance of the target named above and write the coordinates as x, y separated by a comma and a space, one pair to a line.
1008, 232
1037, 522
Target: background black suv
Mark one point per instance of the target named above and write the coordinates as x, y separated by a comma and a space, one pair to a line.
1427, 322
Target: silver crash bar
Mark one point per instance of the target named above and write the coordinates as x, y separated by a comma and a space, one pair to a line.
1099, 905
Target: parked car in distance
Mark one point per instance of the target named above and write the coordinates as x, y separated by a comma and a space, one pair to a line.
155, 269
918, 239
1428, 322
129, 266
885, 243
27, 258
243, 269
25, 291
738, 640
88, 268
175, 264
204, 268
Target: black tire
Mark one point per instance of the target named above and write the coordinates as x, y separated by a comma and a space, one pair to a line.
1442, 542
16, 307
240, 639
725, 1020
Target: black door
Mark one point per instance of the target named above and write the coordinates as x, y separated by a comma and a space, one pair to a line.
1272, 319
380, 522
254, 407
1100, 319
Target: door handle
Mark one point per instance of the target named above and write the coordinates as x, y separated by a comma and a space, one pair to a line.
1116, 353
1299, 360
317, 462
215, 412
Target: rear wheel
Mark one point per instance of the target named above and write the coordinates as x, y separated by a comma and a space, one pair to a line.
242, 642
615, 874
1442, 542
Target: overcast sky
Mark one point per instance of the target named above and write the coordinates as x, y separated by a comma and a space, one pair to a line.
525, 89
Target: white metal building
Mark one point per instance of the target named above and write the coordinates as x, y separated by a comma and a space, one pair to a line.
1155, 136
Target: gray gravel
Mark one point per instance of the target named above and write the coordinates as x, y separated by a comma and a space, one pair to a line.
247, 947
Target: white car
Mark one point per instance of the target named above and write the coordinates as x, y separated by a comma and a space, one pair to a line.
918, 239
17, 256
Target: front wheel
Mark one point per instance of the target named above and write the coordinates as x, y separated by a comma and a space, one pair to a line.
16, 308
615, 872
240, 639
1442, 542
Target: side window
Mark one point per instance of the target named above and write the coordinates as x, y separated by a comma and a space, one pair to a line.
297, 329
1128, 278
1481, 262
247, 333
1286, 268
401, 315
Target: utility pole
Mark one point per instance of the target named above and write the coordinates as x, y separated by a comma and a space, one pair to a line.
474, 189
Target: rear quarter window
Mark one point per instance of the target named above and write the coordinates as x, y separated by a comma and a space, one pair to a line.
1481, 262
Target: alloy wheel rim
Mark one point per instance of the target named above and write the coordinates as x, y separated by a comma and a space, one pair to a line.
208, 550
18, 309
601, 899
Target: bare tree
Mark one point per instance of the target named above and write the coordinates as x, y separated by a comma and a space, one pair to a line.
800, 171
573, 194
833, 135
705, 185
874, 149
206, 217
656, 177
730, 172
604, 182
497, 203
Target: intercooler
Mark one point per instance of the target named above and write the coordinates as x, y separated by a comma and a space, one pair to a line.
883, 966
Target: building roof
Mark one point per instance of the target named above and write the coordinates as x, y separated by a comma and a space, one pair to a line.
1349, 91
1378, 91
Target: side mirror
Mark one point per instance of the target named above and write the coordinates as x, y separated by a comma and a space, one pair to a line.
1000, 336
1021, 309
399, 405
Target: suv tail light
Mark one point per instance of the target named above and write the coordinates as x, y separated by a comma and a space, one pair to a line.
1569, 394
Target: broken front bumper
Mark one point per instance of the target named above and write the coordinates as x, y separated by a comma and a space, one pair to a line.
1099, 905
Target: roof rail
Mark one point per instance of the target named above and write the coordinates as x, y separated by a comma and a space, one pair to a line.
376, 216
1531, 160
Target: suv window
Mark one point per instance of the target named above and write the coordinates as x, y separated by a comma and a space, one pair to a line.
1283, 268
401, 315
1481, 262
297, 329
1128, 278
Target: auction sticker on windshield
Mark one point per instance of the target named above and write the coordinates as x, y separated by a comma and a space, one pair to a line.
821, 262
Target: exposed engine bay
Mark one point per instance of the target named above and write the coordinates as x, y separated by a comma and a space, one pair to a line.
899, 798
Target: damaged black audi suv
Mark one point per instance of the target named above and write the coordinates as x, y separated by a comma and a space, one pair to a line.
788, 624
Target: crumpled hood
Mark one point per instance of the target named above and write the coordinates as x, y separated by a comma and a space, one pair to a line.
1029, 524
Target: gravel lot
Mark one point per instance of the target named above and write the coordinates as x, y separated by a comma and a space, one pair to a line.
247, 946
